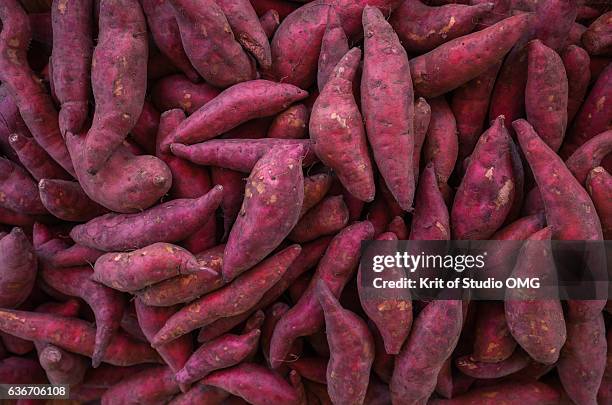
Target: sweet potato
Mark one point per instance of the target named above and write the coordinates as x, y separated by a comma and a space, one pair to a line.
35, 105
422, 117
272, 202
591, 154
487, 190
144, 131
176, 91
35, 159
335, 269
398, 227
16, 345
17, 268
493, 341
311, 368
508, 97
167, 222
118, 78
441, 144
449, 66
291, 123
604, 394
233, 194
153, 385
422, 28
200, 394
388, 106
213, 51
10, 124
71, 61
106, 303
417, 367
337, 131
238, 154
165, 32
599, 185
518, 361
334, 45
66, 200
243, 293
75, 255
62, 367
351, 349
326, 218
520, 392
74, 335
20, 370
597, 39
129, 323
270, 20
576, 63
18, 190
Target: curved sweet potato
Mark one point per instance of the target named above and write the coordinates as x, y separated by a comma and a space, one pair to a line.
66, 200
62, 367
19, 192
576, 62
597, 39
441, 143
35, 159
334, 45
291, 123
599, 185
422, 117
17, 268
176, 91
481, 370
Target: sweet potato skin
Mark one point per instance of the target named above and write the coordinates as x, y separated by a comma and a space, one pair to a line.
153, 385
597, 39
75, 255
422, 117
118, 77
270, 20
589, 155
493, 341
508, 391
35, 159
272, 201
17, 268
176, 91
66, 200
334, 45
441, 143
326, 218
62, 367
481, 370
576, 62
387, 103
291, 123
17, 192
599, 185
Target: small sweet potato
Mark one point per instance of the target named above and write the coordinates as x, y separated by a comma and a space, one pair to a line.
597, 39
599, 185
270, 20
145, 130
62, 367
20, 370
441, 143
493, 341
334, 45
519, 392
422, 117
176, 91
200, 394
35, 159
16, 345
66, 200
272, 202
576, 62
337, 132
518, 361
153, 385
291, 123
75, 255
19, 192
17, 268
589, 155
508, 97
168, 222
604, 394
311, 368
326, 218
213, 51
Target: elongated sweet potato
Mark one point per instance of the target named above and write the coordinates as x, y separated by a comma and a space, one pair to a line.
144, 131
200, 394
576, 62
118, 78
17, 192
422, 117
334, 45
487, 190
169, 222
176, 91
311, 368
518, 361
337, 132
17, 268
326, 218
272, 202
597, 39
243, 294
441, 143
213, 51
388, 105
270, 20
153, 385
75, 255
599, 185
492, 342
508, 97
291, 123
66, 200
106, 303
449, 66
417, 367
62, 367
35, 159
71, 61
591, 154
422, 28
351, 349
335, 269
74, 335
521, 392
34, 103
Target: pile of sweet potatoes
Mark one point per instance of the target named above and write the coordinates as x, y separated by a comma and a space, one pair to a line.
185, 186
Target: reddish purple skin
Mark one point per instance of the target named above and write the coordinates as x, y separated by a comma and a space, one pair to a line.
316, 188
422, 28
238, 154
291, 123
153, 385
145, 129
487, 190
519, 392
17, 268
223, 352
416, 367
273, 313
398, 227
597, 39
493, 342
518, 361
387, 102
233, 193
255, 384
62, 367
591, 154
604, 394
106, 303
165, 31
422, 117
249, 100
243, 294
441, 143
430, 219
326, 218
335, 269
272, 201
34, 103
35, 159
200, 394
508, 97
66, 200
176, 91
599, 185
19, 192
576, 62
11, 124
74, 335
75, 255
19, 370
351, 347
168, 222
71, 61
118, 78
334, 45
15, 345
214, 52
311, 368
270, 20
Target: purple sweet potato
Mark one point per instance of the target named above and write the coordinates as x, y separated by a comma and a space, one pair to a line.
106, 303
118, 78
200, 394
493, 342
398, 227
291, 123
599, 185
233, 193
62, 367
16, 345
597, 39
326, 218
210, 44
441, 143
17, 268
66, 200
75, 255
449, 65
417, 366
272, 202
71, 61
604, 394
351, 349
19, 192
311, 368
508, 97
20, 370
34, 103
591, 154
153, 385
487, 190
422, 117
270, 20
576, 63
334, 46
144, 131
388, 106
243, 294
335, 269
11, 123
35, 159
168, 222
337, 131
518, 361
514, 391
176, 91
422, 28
